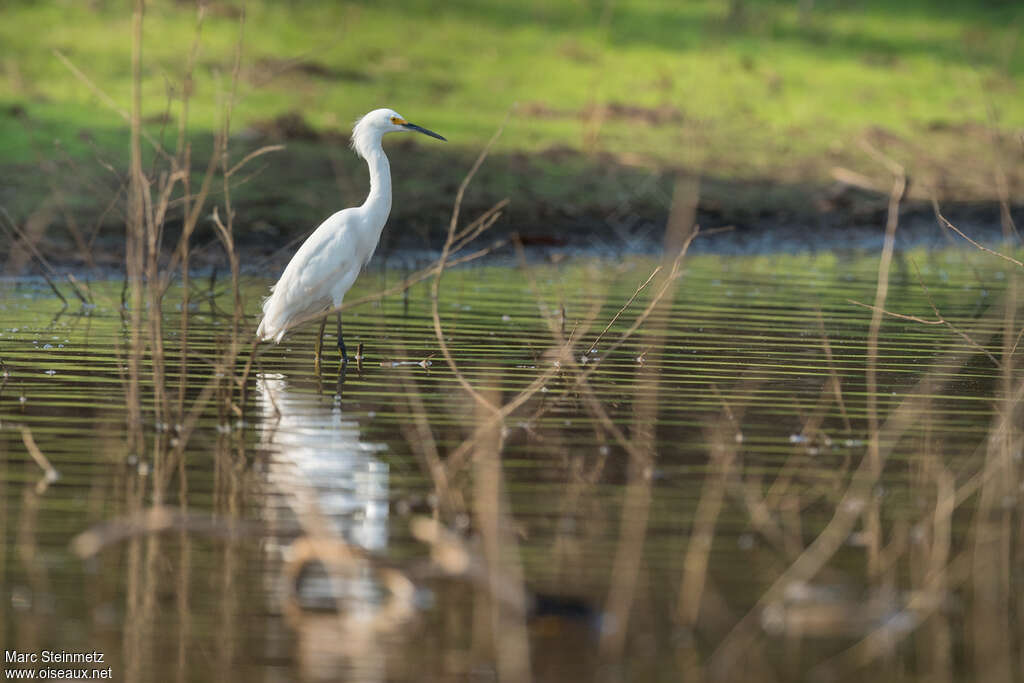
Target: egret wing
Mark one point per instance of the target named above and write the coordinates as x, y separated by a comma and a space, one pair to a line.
325, 260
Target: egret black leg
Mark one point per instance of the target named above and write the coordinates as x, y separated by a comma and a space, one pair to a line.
340, 385
341, 344
319, 345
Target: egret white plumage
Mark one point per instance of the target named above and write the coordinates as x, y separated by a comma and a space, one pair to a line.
328, 262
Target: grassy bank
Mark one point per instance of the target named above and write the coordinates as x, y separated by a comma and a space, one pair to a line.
764, 99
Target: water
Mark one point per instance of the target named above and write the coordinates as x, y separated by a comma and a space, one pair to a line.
705, 503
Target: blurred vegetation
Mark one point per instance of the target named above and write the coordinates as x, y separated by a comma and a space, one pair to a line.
756, 95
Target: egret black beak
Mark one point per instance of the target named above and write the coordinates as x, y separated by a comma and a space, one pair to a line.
420, 129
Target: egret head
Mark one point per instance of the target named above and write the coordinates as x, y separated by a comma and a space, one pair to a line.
368, 130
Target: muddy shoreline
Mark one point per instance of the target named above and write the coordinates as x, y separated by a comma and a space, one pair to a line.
560, 201
595, 233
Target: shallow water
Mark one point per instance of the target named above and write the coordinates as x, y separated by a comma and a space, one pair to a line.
662, 519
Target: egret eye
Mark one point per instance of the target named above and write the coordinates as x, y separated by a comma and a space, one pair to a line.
397, 121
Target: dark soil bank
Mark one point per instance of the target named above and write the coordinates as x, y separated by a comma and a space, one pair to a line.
558, 200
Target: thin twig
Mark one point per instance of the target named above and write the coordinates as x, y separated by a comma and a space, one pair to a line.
836, 385
624, 307
938, 214
252, 155
15, 234
901, 316
435, 287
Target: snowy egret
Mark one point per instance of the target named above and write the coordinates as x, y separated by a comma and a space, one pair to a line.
326, 265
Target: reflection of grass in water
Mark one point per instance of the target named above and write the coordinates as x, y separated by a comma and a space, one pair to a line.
753, 458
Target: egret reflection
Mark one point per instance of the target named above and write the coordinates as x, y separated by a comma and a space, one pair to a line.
330, 481
328, 513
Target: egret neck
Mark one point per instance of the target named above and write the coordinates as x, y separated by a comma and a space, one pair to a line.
378, 202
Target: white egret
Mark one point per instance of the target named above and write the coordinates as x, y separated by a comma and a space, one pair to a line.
328, 262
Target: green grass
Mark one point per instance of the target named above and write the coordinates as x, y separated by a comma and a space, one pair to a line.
765, 93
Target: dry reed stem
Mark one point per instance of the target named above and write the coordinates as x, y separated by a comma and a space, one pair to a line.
266, 149
673, 275
243, 382
628, 560
854, 179
134, 227
190, 420
698, 549
191, 219
963, 335
50, 474
899, 188
150, 220
992, 533
183, 160
935, 644
226, 234
749, 493
226, 231
448, 550
435, 286
833, 373
424, 445
636, 506
509, 636
478, 225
